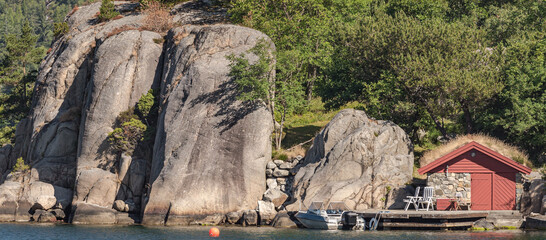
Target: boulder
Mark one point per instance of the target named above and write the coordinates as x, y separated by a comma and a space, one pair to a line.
37, 214
59, 213
286, 165
211, 150
271, 165
531, 199
250, 218
92, 214
45, 202
124, 218
233, 217
47, 216
276, 196
282, 220
353, 159
271, 183
120, 205
267, 212
483, 224
278, 162
96, 186
281, 173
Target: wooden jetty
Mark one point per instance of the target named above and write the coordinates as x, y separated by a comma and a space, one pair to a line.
425, 219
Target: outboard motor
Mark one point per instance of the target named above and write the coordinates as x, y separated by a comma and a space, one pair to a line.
349, 220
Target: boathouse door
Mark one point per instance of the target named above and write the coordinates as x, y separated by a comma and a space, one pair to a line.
481, 190
504, 193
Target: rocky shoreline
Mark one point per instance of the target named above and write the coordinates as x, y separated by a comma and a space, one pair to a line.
87, 153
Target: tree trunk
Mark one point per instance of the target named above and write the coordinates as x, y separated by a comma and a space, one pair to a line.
311, 84
438, 124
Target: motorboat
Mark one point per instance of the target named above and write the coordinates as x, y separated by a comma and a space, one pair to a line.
335, 216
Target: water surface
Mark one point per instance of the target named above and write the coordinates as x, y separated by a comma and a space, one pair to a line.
66, 231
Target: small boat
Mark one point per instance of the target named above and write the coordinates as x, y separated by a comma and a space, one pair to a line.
335, 216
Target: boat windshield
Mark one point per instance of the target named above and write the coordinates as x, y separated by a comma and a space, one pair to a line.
336, 208
315, 206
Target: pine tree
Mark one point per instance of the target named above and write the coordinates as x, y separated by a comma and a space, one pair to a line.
107, 10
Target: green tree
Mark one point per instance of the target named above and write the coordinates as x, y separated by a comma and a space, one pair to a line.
519, 112
256, 82
107, 10
418, 68
22, 55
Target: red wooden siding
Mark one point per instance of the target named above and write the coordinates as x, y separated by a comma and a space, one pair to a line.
504, 191
480, 163
481, 191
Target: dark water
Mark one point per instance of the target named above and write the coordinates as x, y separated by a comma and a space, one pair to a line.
36, 231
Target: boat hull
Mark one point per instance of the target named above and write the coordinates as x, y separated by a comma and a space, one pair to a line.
316, 222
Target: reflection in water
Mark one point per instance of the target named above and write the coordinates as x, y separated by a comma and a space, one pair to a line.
65, 231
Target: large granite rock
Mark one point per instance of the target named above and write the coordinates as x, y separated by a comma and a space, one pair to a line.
214, 148
356, 160
211, 150
531, 199
92, 214
5, 153
282, 220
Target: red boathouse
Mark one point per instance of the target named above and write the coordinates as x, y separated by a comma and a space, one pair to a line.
479, 175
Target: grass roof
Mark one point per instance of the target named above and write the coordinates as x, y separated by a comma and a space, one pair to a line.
494, 144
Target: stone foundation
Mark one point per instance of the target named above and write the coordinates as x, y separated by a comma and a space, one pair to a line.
447, 185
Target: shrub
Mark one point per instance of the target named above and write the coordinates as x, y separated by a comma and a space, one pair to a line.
126, 137
107, 10
145, 103
157, 19
20, 165
60, 28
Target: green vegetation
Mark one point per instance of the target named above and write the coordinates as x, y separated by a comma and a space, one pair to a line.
20, 166
60, 29
436, 68
107, 10
28, 28
136, 126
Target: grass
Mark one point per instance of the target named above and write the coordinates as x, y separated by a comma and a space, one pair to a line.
495, 144
300, 128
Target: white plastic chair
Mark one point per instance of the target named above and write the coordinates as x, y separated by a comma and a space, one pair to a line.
428, 195
412, 200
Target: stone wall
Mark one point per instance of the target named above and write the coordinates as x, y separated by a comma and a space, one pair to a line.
446, 185
519, 190
279, 174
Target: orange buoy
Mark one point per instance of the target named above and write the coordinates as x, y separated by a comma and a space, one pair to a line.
214, 232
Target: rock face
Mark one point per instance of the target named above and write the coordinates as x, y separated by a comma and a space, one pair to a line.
531, 200
354, 159
210, 149
282, 220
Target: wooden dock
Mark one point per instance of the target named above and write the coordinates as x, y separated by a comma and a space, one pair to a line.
412, 219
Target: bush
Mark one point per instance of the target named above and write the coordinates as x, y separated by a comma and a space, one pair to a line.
107, 10
145, 103
60, 28
157, 19
20, 166
126, 137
